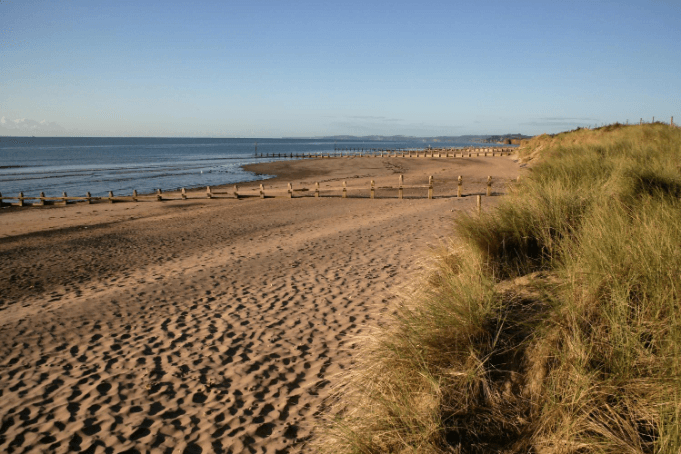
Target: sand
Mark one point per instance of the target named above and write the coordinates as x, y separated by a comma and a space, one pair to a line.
209, 325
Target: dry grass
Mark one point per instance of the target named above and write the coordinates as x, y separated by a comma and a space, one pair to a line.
554, 327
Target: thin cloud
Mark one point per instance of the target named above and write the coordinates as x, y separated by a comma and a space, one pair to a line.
560, 121
374, 118
29, 126
365, 127
567, 119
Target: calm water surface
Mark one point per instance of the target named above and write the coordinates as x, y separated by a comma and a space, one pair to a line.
77, 165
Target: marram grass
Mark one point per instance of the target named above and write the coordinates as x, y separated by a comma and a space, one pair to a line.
554, 326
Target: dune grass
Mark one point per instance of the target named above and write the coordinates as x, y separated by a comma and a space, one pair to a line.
553, 325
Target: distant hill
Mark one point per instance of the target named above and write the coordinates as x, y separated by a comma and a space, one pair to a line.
507, 139
481, 138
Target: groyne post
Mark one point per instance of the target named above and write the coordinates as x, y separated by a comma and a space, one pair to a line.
290, 191
430, 187
236, 192
262, 191
316, 189
209, 193
159, 195
64, 197
373, 189
459, 186
400, 191
111, 197
184, 194
134, 195
42, 198
21, 199
478, 203
345, 190
88, 196
489, 185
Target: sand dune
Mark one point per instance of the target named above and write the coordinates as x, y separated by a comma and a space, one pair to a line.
205, 325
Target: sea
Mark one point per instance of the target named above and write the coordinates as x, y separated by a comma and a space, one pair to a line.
77, 165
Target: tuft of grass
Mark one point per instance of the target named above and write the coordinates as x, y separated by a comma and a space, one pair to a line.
553, 326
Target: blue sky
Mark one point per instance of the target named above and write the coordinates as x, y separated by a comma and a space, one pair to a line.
302, 68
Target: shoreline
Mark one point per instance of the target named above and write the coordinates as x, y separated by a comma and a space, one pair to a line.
270, 160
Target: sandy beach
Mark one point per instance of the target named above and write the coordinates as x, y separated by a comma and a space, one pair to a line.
210, 325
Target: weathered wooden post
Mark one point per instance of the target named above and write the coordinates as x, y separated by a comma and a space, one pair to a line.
236, 191
111, 197
134, 195
209, 193
21, 199
489, 185
400, 191
316, 189
159, 195
459, 186
1, 202
262, 191
64, 197
184, 194
290, 191
373, 189
42, 198
88, 196
345, 190
430, 187
479, 203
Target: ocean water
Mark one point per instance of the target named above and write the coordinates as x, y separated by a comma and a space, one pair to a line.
76, 165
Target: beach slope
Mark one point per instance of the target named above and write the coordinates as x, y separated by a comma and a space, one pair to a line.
208, 325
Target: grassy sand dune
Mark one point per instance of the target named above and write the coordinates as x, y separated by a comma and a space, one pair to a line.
552, 324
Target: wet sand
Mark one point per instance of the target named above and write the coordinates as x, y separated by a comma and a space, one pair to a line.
209, 325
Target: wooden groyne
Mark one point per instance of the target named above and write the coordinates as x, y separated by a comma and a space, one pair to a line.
469, 152
372, 191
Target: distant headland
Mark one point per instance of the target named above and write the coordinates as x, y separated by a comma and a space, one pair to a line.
505, 138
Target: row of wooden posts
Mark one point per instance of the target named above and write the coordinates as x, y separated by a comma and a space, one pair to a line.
396, 153
671, 122
160, 196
